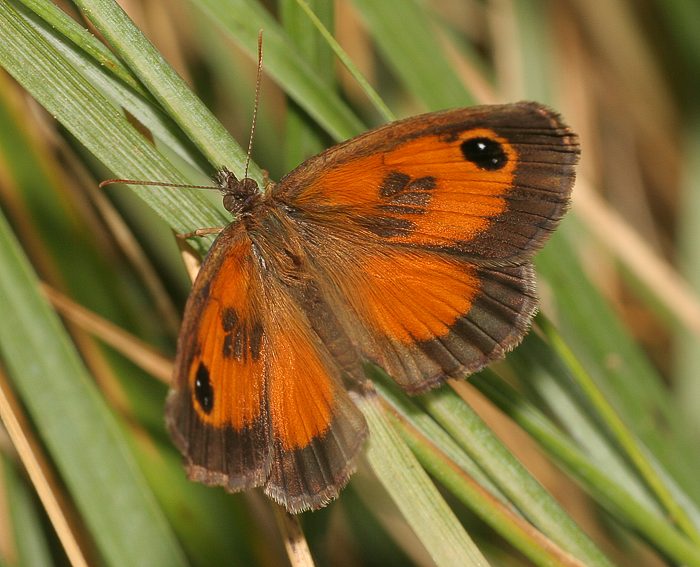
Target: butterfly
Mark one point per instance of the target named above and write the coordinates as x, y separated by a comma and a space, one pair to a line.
408, 246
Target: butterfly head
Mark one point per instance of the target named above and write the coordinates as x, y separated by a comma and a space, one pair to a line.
240, 195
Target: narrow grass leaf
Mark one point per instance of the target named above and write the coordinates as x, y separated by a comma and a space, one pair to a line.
303, 138
242, 19
415, 495
503, 519
183, 106
81, 433
618, 366
635, 451
411, 46
66, 27
643, 515
522, 489
129, 94
96, 122
372, 95
29, 538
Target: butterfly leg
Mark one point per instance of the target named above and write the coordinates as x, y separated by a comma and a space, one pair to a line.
198, 233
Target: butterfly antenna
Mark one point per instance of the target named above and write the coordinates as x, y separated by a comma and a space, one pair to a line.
158, 183
258, 80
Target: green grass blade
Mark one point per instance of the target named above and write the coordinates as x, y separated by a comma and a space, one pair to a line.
549, 384
25, 526
195, 119
372, 95
450, 465
412, 49
108, 75
410, 412
642, 514
242, 19
514, 529
597, 336
95, 122
68, 28
303, 138
633, 449
412, 491
523, 490
81, 433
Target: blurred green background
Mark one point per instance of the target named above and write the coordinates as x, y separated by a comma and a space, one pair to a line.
600, 404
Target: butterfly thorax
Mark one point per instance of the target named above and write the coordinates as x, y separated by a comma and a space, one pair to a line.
240, 196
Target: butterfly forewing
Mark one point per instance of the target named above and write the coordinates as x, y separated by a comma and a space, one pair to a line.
257, 399
487, 182
217, 410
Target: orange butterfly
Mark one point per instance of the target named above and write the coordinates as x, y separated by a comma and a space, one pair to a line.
409, 246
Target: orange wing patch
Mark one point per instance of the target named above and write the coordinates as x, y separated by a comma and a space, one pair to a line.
424, 316
225, 377
424, 191
411, 296
316, 430
466, 195
302, 395
217, 410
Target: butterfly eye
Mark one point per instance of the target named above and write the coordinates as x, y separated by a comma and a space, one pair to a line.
485, 153
203, 391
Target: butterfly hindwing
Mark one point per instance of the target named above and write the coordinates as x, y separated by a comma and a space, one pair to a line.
425, 316
317, 431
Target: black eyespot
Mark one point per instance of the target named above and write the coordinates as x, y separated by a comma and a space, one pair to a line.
203, 391
485, 153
